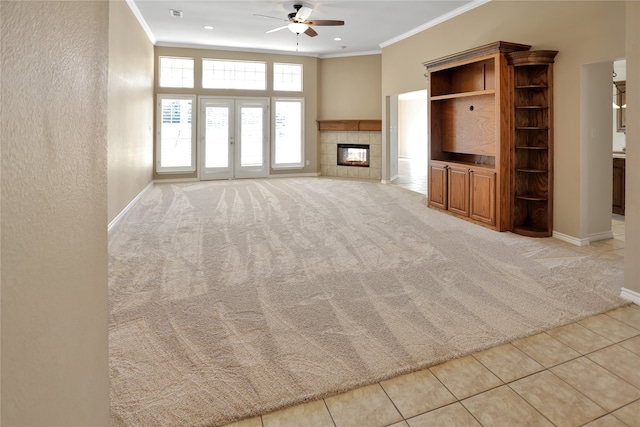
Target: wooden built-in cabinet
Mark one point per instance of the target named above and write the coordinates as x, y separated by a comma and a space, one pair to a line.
532, 117
618, 185
490, 136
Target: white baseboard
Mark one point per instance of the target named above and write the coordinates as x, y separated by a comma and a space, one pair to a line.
630, 295
601, 236
394, 177
175, 181
583, 242
570, 239
294, 175
129, 206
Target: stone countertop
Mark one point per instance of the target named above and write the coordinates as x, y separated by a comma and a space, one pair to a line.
619, 155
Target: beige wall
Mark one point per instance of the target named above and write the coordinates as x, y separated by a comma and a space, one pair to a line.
310, 93
130, 128
632, 209
584, 32
54, 213
350, 88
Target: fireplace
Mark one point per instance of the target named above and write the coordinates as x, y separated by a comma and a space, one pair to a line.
353, 155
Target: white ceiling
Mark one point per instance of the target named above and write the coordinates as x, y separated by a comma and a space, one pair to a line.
369, 25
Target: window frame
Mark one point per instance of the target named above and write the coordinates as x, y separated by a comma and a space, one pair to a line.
274, 142
193, 62
301, 66
158, 141
233, 87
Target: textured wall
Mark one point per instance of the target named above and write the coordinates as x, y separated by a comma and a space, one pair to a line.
597, 33
54, 213
130, 108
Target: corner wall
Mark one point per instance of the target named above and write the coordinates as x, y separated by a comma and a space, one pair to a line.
54, 213
130, 130
632, 208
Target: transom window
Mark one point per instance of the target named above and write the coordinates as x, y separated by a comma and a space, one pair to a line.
287, 77
176, 72
227, 74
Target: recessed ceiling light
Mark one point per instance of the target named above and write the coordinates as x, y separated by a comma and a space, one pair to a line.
208, 27
337, 39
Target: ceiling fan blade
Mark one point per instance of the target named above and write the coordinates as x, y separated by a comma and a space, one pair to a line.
271, 17
311, 32
303, 14
320, 22
275, 29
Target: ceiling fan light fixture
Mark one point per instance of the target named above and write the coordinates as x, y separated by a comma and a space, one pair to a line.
297, 27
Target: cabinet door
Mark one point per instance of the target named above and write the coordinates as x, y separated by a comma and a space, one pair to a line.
482, 196
438, 186
458, 195
618, 186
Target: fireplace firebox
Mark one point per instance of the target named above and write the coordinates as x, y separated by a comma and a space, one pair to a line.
353, 155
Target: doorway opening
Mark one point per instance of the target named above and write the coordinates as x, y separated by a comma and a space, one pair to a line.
413, 139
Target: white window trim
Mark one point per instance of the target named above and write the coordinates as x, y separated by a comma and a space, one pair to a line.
232, 87
274, 165
194, 111
193, 81
301, 77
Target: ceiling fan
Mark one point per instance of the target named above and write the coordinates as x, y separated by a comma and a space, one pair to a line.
298, 22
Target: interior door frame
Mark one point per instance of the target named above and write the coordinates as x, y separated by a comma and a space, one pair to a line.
235, 170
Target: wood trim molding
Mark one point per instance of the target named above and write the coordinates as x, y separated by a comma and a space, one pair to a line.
488, 49
350, 125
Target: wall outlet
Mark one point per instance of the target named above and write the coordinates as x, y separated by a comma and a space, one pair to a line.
307, 162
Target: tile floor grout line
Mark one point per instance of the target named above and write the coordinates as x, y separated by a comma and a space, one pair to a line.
329, 411
530, 404
393, 403
613, 373
471, 413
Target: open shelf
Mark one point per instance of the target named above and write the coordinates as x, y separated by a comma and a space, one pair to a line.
532, 205
543, 86
532, 170
524, 147
463, 94
531, 231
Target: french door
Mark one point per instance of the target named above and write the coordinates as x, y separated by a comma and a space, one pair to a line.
233, 138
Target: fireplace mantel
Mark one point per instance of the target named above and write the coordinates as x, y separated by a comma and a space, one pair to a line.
350, 125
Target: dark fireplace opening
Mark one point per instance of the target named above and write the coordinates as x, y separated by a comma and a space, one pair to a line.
353, 155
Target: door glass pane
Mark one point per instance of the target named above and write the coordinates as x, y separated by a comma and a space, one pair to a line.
217, 137
251, 136
175, 133
288, 132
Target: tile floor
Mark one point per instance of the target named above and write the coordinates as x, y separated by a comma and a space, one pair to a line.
584, 373
617, 243
412, 175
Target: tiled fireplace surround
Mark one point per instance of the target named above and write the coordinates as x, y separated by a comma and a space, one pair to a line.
329, 140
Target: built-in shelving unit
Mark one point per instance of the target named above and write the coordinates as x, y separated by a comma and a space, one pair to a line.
490, 130
469, 157
531, 74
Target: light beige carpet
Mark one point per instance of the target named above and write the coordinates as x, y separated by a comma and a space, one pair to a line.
230, 299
